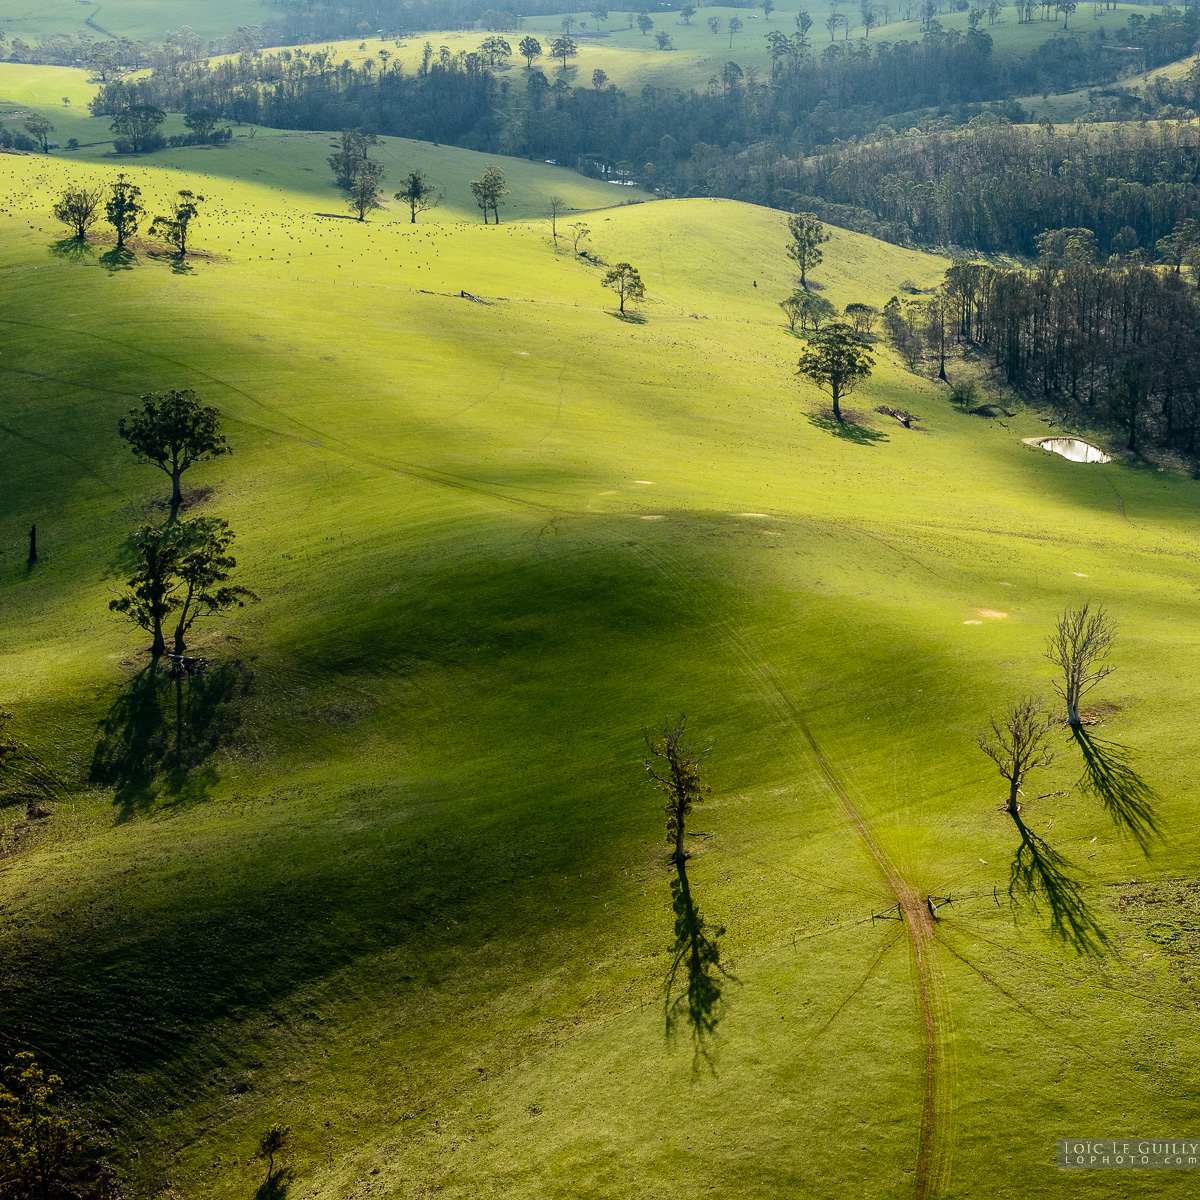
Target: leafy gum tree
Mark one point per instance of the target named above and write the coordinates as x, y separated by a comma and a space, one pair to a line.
174, 227
488, 192
149, 596
367, 188
836, 360
173, 430
79, 209
626, 282
418, 193
529, 48
123, 209
808, 236
202, 569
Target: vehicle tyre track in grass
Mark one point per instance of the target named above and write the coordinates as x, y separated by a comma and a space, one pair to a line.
932, 1150
918, 923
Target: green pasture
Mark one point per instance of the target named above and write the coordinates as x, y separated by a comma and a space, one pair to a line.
391, 873
1066, 106
289, 166
148, 20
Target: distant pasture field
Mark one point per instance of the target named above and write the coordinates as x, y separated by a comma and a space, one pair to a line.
149, 20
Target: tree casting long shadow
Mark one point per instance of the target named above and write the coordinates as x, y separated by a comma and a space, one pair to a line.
1040, 874
696, 979
275, 1186
72, 249
115, 260
162, 731
1126, 796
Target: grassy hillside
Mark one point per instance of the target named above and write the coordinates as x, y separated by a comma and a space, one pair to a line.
632, 60
391, 873
290, 165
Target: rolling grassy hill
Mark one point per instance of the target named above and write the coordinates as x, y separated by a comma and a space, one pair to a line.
391, 873
291, 165
631, 59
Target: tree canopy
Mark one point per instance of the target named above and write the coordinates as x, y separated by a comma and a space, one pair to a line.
836, 360
418, 193
123, 209
173, 430
626, 282
174, 227
79, 209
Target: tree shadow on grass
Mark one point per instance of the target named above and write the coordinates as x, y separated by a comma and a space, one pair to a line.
696, 980
72, 249
159, 736
1040, 875
115, 260
179, 266
850, 431
629, 318
1126, 796
275, 1186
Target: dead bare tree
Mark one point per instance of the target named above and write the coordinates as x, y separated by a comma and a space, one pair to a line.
555, 207
1080, 643
1018, 744
680, 782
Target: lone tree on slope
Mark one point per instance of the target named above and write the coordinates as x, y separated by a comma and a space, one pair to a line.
43, 1153
555, 207
529, 48
367, 188
562, 48
418, 193
836, 360
1078, 646
123, 210
273, 1141
1017, 744
626, 282
678, 779
174, 228
79, 209
579, 232
173, 430
40, 129
488, 192
808, 235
